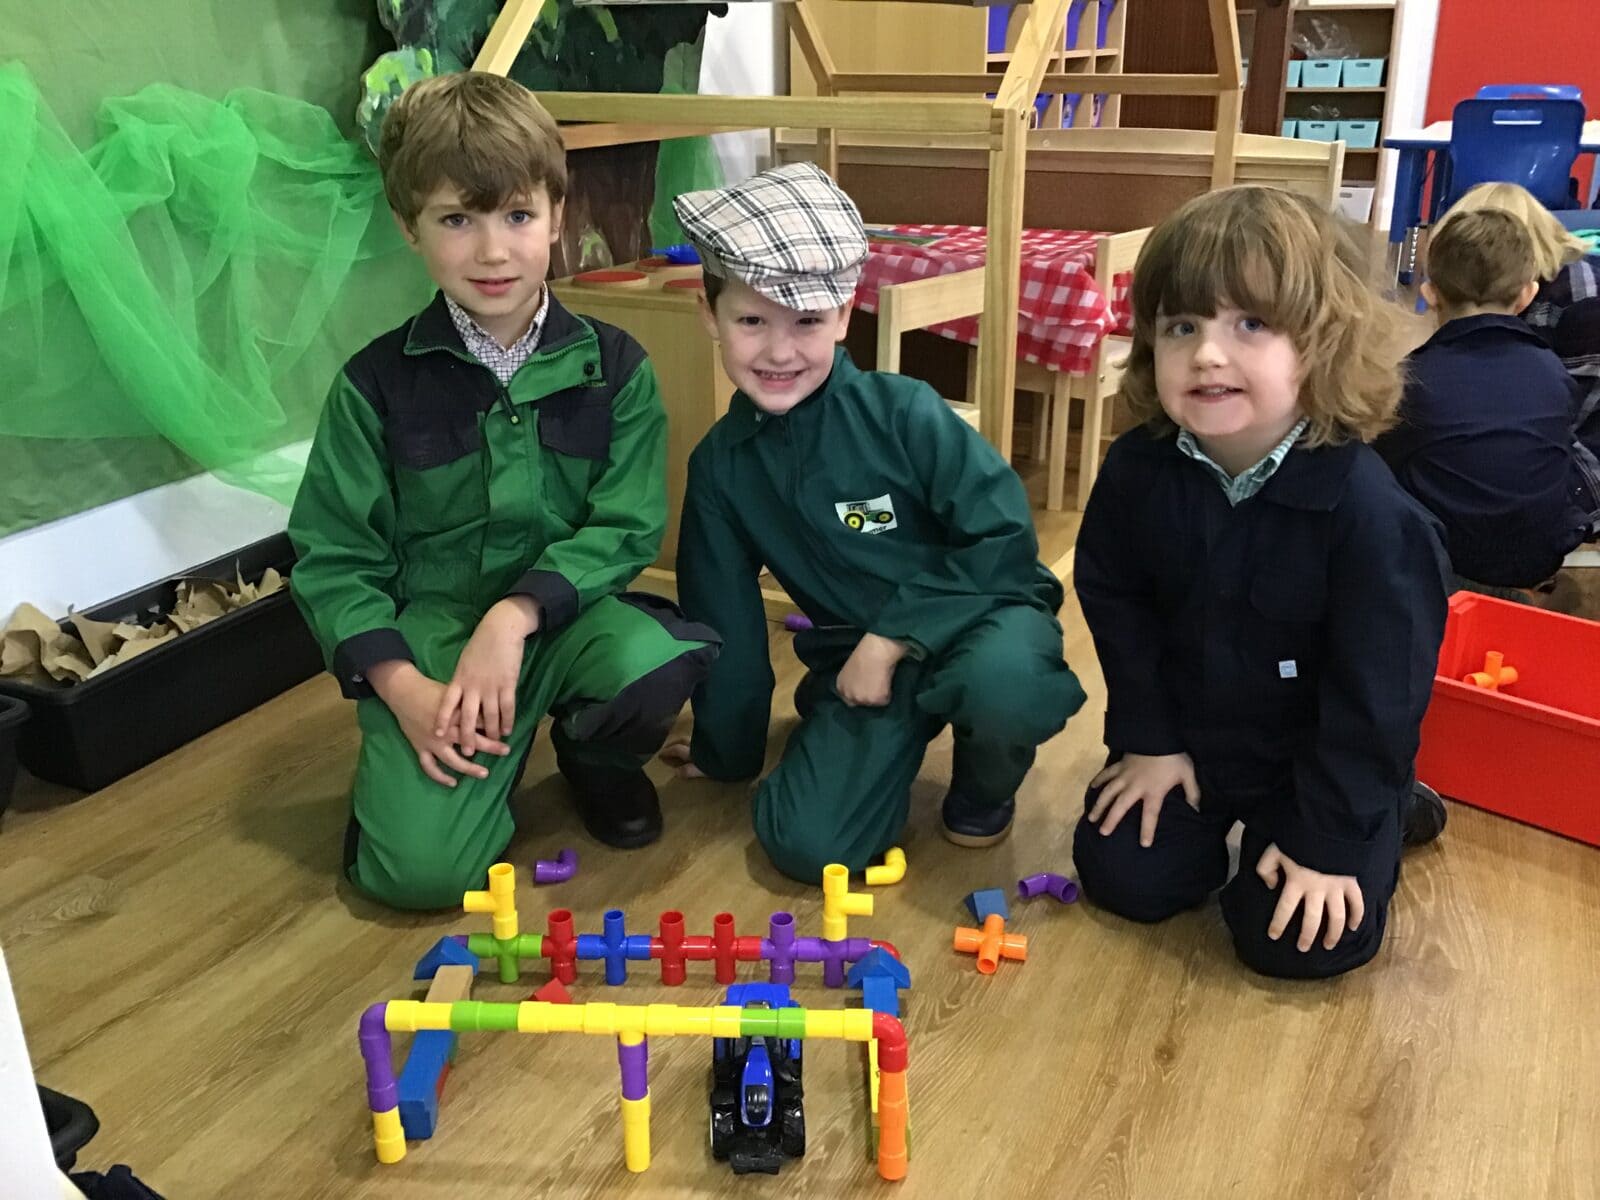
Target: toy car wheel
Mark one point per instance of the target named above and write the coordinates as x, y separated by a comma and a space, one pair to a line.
792, 1120
722, 1131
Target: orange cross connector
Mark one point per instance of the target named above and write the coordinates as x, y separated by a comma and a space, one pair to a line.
1495, 673
991, 943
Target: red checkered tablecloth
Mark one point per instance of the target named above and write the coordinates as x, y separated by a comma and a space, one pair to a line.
1062, 315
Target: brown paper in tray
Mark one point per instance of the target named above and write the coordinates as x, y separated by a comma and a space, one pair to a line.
34, 649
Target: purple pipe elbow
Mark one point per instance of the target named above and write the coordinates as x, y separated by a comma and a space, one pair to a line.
383, 1093
562, 869
1059, 886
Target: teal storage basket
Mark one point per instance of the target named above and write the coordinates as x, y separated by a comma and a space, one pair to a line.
1359, 135
1321, 72
1363, 72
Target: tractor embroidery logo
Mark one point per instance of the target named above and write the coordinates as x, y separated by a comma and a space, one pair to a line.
868, 516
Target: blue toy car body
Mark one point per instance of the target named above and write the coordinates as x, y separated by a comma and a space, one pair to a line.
757, 1102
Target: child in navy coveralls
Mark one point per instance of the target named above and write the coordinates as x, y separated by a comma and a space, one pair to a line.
1487, 437
1267, 603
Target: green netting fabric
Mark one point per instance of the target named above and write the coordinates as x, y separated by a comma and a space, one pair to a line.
189, 276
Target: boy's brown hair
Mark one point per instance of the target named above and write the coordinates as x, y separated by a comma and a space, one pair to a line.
1553, 245
483, 133
1290, 262
1481, 258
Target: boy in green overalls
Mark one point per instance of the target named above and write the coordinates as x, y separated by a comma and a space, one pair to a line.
901, 534
485, 481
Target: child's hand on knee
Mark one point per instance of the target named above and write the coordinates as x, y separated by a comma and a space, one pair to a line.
414, 699
1141, 779
483, 691
676, 755
867, 677
1338, 897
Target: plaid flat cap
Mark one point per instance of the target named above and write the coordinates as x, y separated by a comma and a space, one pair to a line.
790, 233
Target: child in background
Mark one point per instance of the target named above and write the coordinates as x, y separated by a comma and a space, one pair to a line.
899, 531
1565, 311
1266, 602
1485, 439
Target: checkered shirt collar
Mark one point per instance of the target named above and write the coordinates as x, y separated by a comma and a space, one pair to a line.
790, 233
504, 361
1250, 481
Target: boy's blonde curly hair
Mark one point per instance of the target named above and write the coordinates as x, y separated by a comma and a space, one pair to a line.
1283, 258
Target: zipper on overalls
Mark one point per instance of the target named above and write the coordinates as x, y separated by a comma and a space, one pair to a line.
505, 402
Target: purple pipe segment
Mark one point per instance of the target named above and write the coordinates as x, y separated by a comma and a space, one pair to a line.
778, 947
797, 623
383, 1093
815, 949
635, 1070
562, 869
1059, 886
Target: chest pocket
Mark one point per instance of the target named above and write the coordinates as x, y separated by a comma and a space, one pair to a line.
432, 437
436, 447
1289, 608
577, 422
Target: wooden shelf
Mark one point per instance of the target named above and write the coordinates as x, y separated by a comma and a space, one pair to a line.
1335, 91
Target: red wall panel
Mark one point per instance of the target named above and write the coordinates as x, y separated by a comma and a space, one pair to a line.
1515, 41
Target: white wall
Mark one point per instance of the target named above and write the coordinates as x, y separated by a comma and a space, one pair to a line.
1409, 75
740, 60
27, 1167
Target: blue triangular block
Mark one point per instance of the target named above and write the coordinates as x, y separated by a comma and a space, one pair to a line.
447, 952
878, 962
985, 901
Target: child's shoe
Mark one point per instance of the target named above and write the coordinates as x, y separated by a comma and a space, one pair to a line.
970, 824
1424, 817
619, 808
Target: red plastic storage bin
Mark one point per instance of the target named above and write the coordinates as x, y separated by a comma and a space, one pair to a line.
1530, 751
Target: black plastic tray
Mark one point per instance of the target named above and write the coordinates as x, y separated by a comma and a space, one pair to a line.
93, 733
13, 713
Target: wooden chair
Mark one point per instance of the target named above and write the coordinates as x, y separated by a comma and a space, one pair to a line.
923, 302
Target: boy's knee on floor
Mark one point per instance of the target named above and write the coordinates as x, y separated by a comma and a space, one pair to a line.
797, 846
1247, 911
421, 882
1113, 878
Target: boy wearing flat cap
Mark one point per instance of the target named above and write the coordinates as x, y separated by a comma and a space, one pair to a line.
903, 536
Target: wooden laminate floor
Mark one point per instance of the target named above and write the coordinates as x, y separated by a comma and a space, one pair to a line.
185, 961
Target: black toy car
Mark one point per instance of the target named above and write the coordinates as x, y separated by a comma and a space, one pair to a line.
757, 1107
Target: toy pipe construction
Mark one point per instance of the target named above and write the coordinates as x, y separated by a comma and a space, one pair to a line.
632, 1025
671, 947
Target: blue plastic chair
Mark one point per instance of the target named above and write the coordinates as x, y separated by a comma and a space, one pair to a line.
1530, 142
1530, 91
